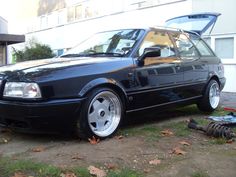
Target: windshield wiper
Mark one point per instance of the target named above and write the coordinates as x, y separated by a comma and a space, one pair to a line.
105, 54
72, 55
92, 54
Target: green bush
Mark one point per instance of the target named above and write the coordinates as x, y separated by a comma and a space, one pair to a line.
33, 51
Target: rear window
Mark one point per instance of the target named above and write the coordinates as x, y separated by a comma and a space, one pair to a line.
201, 45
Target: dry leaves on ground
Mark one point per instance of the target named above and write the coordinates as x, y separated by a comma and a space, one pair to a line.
230, 141
19, 174
178, 151
184, 143
147, 170
4, 140
96, 171
77, 157
38, 149
110, 166
93, 140
119, 137
68, 174
167, 132
155, 162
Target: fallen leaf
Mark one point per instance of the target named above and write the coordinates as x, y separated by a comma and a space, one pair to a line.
184, 143
230, 141
146, 170
76, 157
38, 149
93, 140
96, 171
111, 166
68, 174
155, 162
4, 140
19, 174
178, 151
119, 137
167, 133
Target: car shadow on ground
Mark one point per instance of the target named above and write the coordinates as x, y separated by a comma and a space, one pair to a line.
157, 116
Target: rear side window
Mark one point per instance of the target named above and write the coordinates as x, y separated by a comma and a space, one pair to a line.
201, 46
184, 45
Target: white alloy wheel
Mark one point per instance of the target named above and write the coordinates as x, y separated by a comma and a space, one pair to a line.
104, 113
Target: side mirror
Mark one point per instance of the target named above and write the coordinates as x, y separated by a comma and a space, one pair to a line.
149, 52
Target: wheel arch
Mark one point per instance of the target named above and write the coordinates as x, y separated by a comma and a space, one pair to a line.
213, 77
105, 82
216, 78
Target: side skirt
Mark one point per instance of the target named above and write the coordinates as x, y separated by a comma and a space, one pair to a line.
165, 104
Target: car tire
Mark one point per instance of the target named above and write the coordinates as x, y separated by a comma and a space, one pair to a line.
211, 97
101, 114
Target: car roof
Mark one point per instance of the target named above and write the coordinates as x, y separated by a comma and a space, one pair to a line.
149, 28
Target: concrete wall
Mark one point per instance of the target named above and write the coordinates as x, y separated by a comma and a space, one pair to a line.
225, 27
69, 35
226, 23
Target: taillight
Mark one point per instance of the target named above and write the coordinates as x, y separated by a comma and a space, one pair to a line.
221, 68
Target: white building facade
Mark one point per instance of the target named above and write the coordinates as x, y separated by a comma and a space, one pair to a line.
71, 21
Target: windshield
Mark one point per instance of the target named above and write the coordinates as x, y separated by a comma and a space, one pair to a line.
110, 43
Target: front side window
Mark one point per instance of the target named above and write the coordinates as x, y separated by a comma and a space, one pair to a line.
201, 46
110, 43
184, 46
159, 39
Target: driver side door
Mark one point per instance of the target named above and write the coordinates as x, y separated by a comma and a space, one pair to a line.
159, 78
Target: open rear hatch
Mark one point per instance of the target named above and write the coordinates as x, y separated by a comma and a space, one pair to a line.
198, 23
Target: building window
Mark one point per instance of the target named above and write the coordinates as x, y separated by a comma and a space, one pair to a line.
71, 14
224, 47
43, 22
62, 17
78, 12
52, 19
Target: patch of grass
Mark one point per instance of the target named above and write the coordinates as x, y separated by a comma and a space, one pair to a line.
179, 128
218, 141
8, 167
189, 110
152, 132
80, 172
219, 112
200, 174
124, 173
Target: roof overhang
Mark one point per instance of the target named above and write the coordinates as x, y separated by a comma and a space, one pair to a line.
8, 39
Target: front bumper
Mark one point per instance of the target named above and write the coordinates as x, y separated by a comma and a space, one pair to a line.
49, 116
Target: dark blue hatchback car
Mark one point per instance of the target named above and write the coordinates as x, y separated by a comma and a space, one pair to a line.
91, 88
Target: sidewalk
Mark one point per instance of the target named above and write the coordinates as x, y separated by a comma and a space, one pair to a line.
228, 99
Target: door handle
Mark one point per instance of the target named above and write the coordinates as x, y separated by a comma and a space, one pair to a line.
177, 66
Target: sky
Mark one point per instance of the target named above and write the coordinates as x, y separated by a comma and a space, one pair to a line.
17, 12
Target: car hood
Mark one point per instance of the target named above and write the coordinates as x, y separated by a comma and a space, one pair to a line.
36, 68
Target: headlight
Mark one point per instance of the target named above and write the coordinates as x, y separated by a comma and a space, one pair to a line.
22, 90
